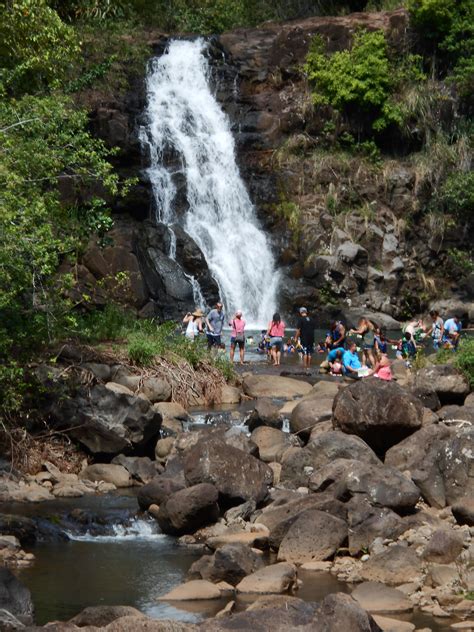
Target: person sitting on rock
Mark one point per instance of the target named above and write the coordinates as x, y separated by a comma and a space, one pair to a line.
351, 361
337, 367
383, 368
452, 332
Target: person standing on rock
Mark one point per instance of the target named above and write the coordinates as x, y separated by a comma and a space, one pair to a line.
237, 336
214, 324
436, 331
193, 324
366, 329
305, 334
276, 331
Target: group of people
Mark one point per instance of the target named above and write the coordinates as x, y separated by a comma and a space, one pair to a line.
343, 358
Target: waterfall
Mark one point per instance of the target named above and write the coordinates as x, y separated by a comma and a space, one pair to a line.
185, 121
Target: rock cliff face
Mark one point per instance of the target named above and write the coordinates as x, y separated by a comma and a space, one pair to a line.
346, 233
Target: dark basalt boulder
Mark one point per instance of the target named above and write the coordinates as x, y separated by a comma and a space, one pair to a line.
449, 383
15, 598
381, 413
189, 509
107, 422
230, 563
158, 491
237, 475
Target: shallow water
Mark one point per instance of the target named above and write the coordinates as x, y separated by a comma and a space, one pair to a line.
132, 564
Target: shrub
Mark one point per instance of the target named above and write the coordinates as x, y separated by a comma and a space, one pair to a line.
456, 195
360, 79
465, 359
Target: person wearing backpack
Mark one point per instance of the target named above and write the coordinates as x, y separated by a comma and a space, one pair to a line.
237, 337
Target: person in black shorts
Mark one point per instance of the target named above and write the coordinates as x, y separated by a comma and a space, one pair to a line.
305, 333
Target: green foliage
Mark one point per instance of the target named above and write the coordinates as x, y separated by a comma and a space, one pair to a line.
461, 260
362, 79
464, 360
36, 47
43, 139
456, 195
91, 75
291, 213
448, 26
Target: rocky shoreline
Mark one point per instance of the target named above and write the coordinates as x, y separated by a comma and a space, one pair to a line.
373, 483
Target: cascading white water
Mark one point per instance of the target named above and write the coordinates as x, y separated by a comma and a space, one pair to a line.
185, 118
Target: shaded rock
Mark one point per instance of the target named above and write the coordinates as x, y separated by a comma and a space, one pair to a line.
194, 590
230, 563
100, 616
156, 389
428, 397
14, 597
383, 485
395, 566
173, 415
265, 413
463, 511
106, 422
381, 413
315, 535
241, 512
274, 386
164, 447
271, 443
276, 578
455, 463
237, 476
375, 597
141, 469
367, 522
189, 509
108, 472
9, 623
449, 383
157, 491
309, 413
415, 451
443, 547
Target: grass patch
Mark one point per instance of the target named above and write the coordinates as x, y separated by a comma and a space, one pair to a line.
464, 360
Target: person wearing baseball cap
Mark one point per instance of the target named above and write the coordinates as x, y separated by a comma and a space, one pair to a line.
305, 333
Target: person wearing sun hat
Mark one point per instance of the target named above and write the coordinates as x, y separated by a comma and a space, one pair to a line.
237, 336
193, 322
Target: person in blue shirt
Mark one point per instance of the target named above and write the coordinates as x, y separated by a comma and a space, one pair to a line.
351, 361
452, 331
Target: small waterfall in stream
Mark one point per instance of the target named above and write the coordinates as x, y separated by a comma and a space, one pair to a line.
185, 120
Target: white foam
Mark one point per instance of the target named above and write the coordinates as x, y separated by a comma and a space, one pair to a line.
138, 529
185, 118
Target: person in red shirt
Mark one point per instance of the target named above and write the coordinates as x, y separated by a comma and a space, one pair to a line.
276, 331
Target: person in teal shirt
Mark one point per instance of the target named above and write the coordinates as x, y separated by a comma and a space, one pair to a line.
351, 361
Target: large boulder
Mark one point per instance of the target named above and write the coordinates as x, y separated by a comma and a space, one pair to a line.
367, 522
382, 413
141, 468
14, 597
276, 578
310, 412
299, 465
449, 383
271, 443
314, 536
194, 590
158, 491
377, 598
237, 475
230, 563
382, 485
189, 509
395, 566
265, 413
274, 386
443, 547
173, 416
100, 616
108, 472
107, 422
420, 455
156, 389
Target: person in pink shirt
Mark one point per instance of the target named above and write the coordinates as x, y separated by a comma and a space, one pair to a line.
276, 331
237, 336
383, 370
